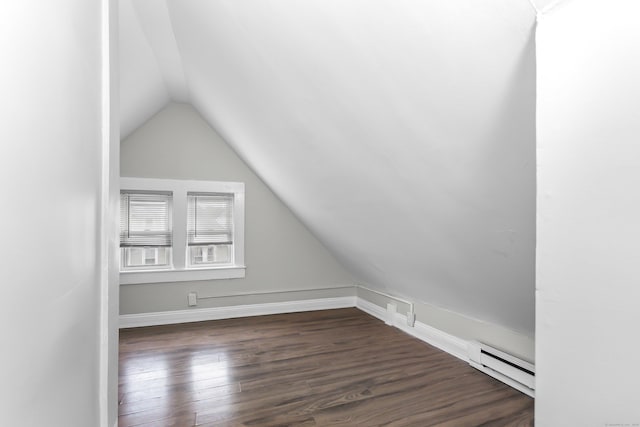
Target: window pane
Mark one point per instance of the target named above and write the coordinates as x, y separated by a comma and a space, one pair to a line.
210, 255
145, 257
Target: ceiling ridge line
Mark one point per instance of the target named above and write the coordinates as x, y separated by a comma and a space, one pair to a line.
551, 6
175, 39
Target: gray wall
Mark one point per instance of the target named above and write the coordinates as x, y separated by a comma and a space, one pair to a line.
280, 253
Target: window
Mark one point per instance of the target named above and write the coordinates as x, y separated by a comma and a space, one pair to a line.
173, 230
145, 230
209, 229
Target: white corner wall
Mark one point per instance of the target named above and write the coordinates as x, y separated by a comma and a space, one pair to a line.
588, 222
110, 286
51, 164
283, 258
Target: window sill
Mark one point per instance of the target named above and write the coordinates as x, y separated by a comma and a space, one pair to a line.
163, 276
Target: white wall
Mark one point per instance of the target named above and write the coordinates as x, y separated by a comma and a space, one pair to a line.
51, 172
110, 295
588, 234
280, 253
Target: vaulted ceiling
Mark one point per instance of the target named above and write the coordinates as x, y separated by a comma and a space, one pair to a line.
401, 132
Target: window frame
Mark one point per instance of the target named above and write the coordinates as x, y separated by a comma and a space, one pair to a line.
179, 271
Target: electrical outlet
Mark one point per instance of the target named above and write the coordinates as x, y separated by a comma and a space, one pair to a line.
192, 298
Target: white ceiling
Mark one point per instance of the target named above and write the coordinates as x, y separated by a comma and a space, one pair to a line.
143, 90
401, 132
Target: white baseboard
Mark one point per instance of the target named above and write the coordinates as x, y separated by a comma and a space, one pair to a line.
217, 313
451, 344
371, 308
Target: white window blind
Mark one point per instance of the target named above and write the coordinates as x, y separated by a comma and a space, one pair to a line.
145, 219
209, 219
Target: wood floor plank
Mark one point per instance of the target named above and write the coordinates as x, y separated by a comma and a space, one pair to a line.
325, 368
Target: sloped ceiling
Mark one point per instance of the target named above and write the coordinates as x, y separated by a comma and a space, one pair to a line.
142, 88
401, 132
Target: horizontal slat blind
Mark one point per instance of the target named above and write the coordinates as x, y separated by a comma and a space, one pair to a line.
209, 219
145, 219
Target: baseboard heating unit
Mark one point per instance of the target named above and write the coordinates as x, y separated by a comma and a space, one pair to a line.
504, 367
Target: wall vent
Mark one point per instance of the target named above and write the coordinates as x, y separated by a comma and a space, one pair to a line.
511, 370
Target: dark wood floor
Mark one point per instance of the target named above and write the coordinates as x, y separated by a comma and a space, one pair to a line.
323, 368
